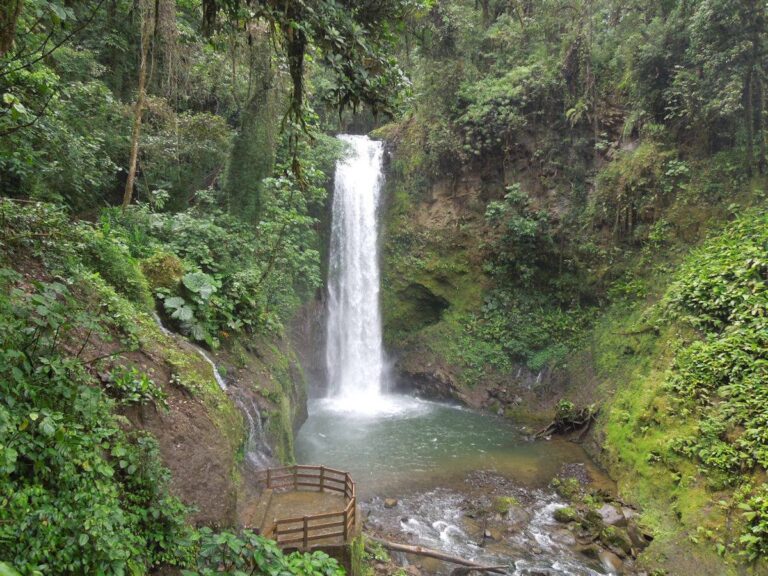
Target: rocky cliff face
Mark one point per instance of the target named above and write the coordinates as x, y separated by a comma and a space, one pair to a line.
433, 286
436, 289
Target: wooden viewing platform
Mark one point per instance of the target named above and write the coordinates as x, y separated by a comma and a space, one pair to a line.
308, 506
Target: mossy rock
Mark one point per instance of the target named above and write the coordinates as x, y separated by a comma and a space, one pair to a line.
566, 515
503, 504
592, 520
162, 270
617, 539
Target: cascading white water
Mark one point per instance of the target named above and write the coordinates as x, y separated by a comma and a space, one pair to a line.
355, 358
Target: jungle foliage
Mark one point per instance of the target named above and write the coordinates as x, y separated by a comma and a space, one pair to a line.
587, 122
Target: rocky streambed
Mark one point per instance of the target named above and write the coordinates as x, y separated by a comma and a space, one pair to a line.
571, 527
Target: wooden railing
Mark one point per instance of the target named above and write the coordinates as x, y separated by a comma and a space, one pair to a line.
328, 527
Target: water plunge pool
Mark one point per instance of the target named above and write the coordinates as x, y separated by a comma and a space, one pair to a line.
439, 461
418, 444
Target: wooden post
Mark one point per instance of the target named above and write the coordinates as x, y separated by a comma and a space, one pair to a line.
295, 478
306, 534
322, 478
269, 481
345, 533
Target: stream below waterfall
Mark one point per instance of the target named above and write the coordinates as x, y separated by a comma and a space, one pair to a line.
446, 465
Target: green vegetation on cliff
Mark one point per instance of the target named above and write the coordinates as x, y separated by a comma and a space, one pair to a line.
684, 424
575, 207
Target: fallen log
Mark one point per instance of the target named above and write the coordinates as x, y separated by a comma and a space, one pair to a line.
466, 570
570, 419
437, 554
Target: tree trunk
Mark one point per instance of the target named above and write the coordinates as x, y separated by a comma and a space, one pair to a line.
253, 151
486, 10
749, 119
759, 127
10, 10
147, 27
758, 31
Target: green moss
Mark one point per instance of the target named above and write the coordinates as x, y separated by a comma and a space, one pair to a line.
637, 425
194, 374
114, 264
162, 270
280, 430
275, 374
358, 557
566, 515
503, 504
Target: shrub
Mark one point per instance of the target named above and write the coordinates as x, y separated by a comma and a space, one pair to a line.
230, 554
87, 497
755, 513
722, 291
132, 386
192, 309
162, 270
634, 188
724, 282
111, 260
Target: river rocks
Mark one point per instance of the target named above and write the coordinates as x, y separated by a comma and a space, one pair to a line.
617, 540
492, 534
565, 515
639, 539
564, 537
590, 551
517, 517
629, 513
611, 562
428, 381
612, 516
390, 502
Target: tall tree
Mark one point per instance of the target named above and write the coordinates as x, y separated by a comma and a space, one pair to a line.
352, 38
755, 98
147, 14
10, 11
723, 79
253, 155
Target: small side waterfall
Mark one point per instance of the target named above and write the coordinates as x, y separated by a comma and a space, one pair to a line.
203, 354
257, 451
355, 358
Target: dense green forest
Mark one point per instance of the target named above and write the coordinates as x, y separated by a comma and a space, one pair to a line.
575, 193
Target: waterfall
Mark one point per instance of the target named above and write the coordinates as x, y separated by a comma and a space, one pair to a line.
257, 451
216, 374
355, 358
